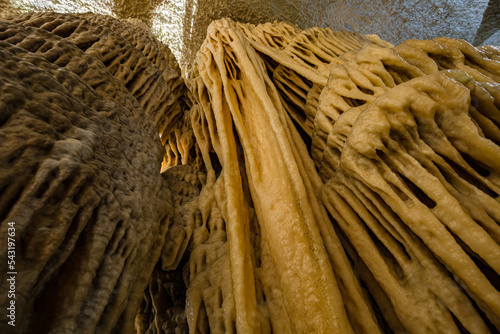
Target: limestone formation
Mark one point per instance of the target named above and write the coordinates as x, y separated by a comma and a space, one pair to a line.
407, 155
311, 180
299, 61
143, 40
65, 54
163, 306
268, 140
437, 209
426, 120
80, 180
123, 60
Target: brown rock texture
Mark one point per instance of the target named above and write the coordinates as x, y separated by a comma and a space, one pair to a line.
163, 306
124, 60
80, 180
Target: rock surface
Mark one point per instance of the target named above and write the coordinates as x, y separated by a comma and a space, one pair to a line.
143, 79
84, 228
405, 143
80, 178
314, 181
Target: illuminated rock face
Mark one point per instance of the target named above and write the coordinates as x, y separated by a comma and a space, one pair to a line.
315, 181
396, 193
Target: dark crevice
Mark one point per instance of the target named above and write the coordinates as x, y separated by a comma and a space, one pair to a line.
64, 187
492, 276
52, 175
202, 321
381, 322
353, 102
358, 266
232, 72
484, 317
469, 178
242, 167
305, 137
65, 30
216, 165
322, 59
479, 167
132, 81
366, 90
292, 107
308, 63
443, 62
459, 325
388, 257
87, 44
221, 299
382, 156
487, 271
447, 176
295, 89
398, 221
9, 195
422, 197
398, 191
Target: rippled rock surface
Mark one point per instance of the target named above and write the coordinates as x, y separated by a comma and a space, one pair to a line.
80, 178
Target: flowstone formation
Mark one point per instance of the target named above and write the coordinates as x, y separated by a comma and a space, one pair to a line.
80, 174
312, 181
357, 183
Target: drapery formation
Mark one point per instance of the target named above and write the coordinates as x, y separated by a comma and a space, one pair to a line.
80, 170
339, 153
314, 181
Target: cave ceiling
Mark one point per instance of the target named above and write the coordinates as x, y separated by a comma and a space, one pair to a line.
182, 24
